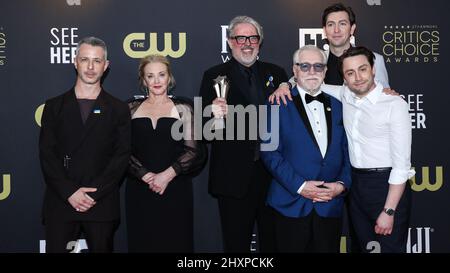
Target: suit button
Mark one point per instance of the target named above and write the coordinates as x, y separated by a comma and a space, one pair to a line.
324, 163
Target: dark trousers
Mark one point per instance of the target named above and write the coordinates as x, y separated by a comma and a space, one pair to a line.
99, 236
354, 246
311, 233
238, 217
367, 198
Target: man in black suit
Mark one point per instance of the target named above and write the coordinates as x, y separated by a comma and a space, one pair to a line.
237, 177
84, 147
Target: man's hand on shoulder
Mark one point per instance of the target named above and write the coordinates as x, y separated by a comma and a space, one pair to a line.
282, 92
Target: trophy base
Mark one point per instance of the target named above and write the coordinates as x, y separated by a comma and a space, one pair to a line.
218, 124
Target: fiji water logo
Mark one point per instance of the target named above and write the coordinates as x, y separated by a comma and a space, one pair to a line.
419, 240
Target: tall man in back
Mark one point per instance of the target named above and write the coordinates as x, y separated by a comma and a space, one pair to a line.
339, 26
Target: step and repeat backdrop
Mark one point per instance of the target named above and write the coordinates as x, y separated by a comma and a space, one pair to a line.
37, 44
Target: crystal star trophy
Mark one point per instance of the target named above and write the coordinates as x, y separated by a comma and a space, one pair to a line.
221, 87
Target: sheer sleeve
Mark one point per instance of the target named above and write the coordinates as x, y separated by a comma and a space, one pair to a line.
136, 168
134, 104
194, 152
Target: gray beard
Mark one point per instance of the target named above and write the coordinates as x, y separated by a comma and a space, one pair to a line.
313, 92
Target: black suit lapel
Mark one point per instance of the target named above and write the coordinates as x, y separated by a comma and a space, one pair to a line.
72, 118
301, 110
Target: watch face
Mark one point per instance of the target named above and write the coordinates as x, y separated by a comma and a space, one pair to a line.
389, 212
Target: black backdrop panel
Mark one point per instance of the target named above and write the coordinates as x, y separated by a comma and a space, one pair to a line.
37, 39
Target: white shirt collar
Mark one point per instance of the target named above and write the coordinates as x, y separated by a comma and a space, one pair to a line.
373, 95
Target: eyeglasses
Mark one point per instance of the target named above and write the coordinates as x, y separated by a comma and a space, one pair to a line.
240, 40
305, 67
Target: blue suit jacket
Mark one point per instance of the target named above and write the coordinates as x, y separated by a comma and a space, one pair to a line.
298, 159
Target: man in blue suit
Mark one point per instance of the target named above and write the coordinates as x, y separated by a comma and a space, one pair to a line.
310, 166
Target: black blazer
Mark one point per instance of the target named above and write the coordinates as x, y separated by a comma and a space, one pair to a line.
233, 164
99, 151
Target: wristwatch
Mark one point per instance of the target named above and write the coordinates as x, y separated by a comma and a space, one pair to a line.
389, 211
289, 85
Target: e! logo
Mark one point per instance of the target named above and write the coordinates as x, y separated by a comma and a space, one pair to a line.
135, 41
426, 180
6, 187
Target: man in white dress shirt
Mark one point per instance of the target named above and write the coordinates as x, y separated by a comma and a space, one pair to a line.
378, 129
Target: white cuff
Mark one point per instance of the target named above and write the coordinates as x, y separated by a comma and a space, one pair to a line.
398, 177
301, 187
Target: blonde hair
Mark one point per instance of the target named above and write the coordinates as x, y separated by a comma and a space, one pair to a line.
155, 58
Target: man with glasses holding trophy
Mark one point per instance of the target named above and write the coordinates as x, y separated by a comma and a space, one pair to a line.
237, 177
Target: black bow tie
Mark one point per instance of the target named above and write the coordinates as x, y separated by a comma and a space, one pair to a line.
319, 98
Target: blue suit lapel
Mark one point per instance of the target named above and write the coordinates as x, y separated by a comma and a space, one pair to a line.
329, 118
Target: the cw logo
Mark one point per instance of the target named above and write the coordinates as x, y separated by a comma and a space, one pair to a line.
137, 40
343, 245
6, 187
73, 2
374, 2
426, 180
38, 114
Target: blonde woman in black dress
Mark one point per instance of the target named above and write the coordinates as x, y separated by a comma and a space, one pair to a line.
159, 198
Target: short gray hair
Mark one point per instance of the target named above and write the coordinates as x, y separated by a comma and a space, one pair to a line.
93, 41
244, 20
309, 47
